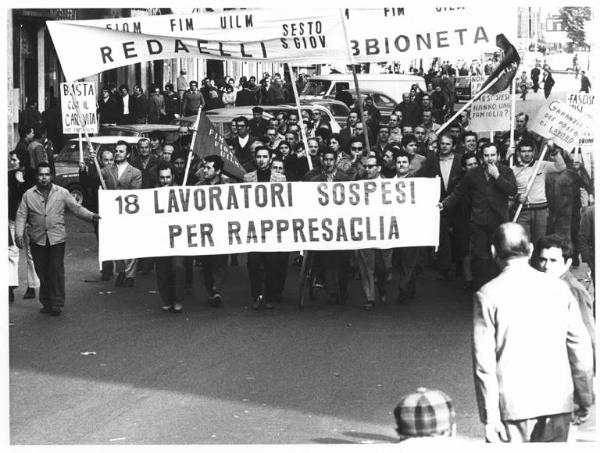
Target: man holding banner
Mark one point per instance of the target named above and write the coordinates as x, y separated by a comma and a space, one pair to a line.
120, 176
267, 287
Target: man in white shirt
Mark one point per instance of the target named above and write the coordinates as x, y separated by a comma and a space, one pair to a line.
534, 215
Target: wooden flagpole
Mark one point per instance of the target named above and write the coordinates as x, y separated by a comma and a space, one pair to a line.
302, 127
358, 98
191, 152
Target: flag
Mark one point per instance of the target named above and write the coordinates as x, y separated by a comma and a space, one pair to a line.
507, 69
210, 141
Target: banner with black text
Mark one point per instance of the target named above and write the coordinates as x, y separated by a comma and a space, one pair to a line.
285, 35
269, 217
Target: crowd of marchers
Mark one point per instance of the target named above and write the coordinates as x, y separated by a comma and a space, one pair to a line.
483, 182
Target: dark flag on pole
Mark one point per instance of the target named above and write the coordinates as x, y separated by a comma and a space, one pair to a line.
507, 69
210, 141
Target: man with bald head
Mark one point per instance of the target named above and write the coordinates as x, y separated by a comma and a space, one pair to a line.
532, 356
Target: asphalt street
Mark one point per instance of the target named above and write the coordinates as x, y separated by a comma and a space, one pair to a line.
115, 369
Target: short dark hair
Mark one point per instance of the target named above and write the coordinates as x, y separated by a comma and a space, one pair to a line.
402, 153
526, 142
263, 148
241, 119
179, 155
217, 161
384, 126
157, 135
162, 165
24, 129
511, 241
555, 240
465, 157
327, 150
123, 86
42, 165
123, 142
468, 134
169, 86
408, 138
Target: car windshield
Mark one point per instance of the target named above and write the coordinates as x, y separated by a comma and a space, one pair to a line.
316, 88
70, 152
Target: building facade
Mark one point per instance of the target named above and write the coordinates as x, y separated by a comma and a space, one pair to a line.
34, 72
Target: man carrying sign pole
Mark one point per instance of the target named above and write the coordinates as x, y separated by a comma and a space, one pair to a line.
532, 207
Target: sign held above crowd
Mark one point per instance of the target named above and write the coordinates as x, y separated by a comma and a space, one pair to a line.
284, 35
292, 36
561, 123
86, 98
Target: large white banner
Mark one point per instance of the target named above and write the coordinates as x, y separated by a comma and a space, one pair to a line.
491, 112
238, 218
418, 30
86, 98
87, 47
424, 30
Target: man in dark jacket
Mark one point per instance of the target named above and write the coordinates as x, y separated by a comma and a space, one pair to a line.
488, 186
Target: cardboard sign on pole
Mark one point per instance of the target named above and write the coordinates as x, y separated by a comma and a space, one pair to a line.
86, 94
491, 111
561, 123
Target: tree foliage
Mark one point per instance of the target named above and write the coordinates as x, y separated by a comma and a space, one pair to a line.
573, 20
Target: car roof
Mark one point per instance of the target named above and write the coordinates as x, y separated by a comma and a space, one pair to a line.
343, 77
108, 139
144, 128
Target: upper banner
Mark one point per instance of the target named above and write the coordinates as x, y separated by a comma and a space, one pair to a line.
268, 217
88, 47
290, 36
423, 30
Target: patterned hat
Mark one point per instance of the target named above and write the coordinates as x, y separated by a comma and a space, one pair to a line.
425, 413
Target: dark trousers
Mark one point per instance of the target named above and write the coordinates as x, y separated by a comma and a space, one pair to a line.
407, 263
484, 267
170, 278
444, 253
267, 272
214, 268
549, 428
49, 262
334, 266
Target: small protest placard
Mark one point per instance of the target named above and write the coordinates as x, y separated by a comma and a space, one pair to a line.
86, 98
491, 112
561, 123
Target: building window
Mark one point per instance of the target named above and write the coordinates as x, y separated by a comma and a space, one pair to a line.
553, 23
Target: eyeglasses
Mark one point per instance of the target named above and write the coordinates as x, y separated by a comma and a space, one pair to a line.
356, 148
369, 166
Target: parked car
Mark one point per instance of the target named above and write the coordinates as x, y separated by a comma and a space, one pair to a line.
170, 131
66, 162
462, 89
328, 85
222, 118
382, 101
338, 109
